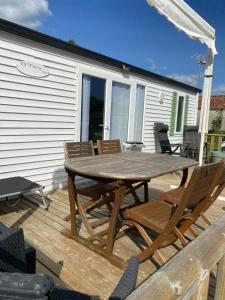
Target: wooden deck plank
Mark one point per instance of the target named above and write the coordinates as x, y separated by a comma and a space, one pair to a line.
74, 265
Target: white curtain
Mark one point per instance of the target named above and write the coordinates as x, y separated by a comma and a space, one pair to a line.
119, 111
139, 109
86, 90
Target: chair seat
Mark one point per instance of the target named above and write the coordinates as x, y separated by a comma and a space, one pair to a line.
154, 214
93, 188
174, 196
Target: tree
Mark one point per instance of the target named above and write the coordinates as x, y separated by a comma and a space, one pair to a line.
72, 42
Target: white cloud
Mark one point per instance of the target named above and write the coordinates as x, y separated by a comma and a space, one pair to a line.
191, 79
154, 67
24, 12
219, 90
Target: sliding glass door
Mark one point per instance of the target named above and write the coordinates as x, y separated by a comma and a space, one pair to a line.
111, 109
119, 111
93, 99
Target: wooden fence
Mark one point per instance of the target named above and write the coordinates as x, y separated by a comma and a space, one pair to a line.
214, 141
186, 275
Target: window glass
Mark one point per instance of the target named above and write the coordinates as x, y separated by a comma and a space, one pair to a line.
180, 114
93, 98
138, 114
119, 111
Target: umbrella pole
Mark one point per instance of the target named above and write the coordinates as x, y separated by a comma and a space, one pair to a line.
206, 96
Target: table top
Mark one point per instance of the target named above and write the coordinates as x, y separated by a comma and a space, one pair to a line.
128, 165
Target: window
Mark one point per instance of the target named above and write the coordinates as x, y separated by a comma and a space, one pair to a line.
139, 110
119, 111
180, 114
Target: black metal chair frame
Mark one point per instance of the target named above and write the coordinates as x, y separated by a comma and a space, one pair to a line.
191, 139
162, 143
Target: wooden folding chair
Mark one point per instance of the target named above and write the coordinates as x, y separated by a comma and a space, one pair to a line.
99, 192
114, 146
166, 219
174, 196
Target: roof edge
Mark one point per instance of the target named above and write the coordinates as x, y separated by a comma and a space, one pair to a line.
37, 36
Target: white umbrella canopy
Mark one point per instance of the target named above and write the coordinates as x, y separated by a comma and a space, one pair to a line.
187, 20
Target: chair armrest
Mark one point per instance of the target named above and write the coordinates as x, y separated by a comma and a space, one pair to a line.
128, 280
12, 251
25, 286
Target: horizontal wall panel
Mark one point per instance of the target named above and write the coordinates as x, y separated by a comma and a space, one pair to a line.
7, 72
49, 176
31, 166
50, 170
40, 83
37, 96
35, 138
32, 50
36, 103
34, 131
29, 146
34, 110
35, 89
30, 159
35, 117
26, 125
29, 152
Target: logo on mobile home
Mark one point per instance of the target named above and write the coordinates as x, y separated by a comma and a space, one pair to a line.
32, 69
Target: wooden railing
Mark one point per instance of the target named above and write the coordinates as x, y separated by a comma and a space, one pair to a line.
214, 141
186, 275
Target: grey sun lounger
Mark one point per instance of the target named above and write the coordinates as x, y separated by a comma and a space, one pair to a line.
18, 186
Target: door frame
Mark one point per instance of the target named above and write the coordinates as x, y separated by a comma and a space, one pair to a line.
109, 78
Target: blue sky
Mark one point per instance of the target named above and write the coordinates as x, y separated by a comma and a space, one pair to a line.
131, 31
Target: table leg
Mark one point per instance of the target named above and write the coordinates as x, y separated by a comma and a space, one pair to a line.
73, 209
146, 195
185, 176
119, 195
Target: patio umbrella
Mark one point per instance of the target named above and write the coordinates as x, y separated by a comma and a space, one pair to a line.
187, 20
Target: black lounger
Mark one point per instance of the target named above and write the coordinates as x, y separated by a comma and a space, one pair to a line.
17, 186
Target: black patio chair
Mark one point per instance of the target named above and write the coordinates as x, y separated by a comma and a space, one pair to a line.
17, 259
162, 143
192, 140
15, 254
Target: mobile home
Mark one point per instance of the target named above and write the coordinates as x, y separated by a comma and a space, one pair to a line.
52, 92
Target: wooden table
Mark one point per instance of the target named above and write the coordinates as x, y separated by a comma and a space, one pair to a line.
120, 168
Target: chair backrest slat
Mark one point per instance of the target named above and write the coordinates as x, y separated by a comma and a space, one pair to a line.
108, 146
78, 149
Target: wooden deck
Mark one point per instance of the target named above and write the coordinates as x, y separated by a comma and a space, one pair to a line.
71, 264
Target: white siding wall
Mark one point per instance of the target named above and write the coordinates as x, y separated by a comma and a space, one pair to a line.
156, 112
38, 115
